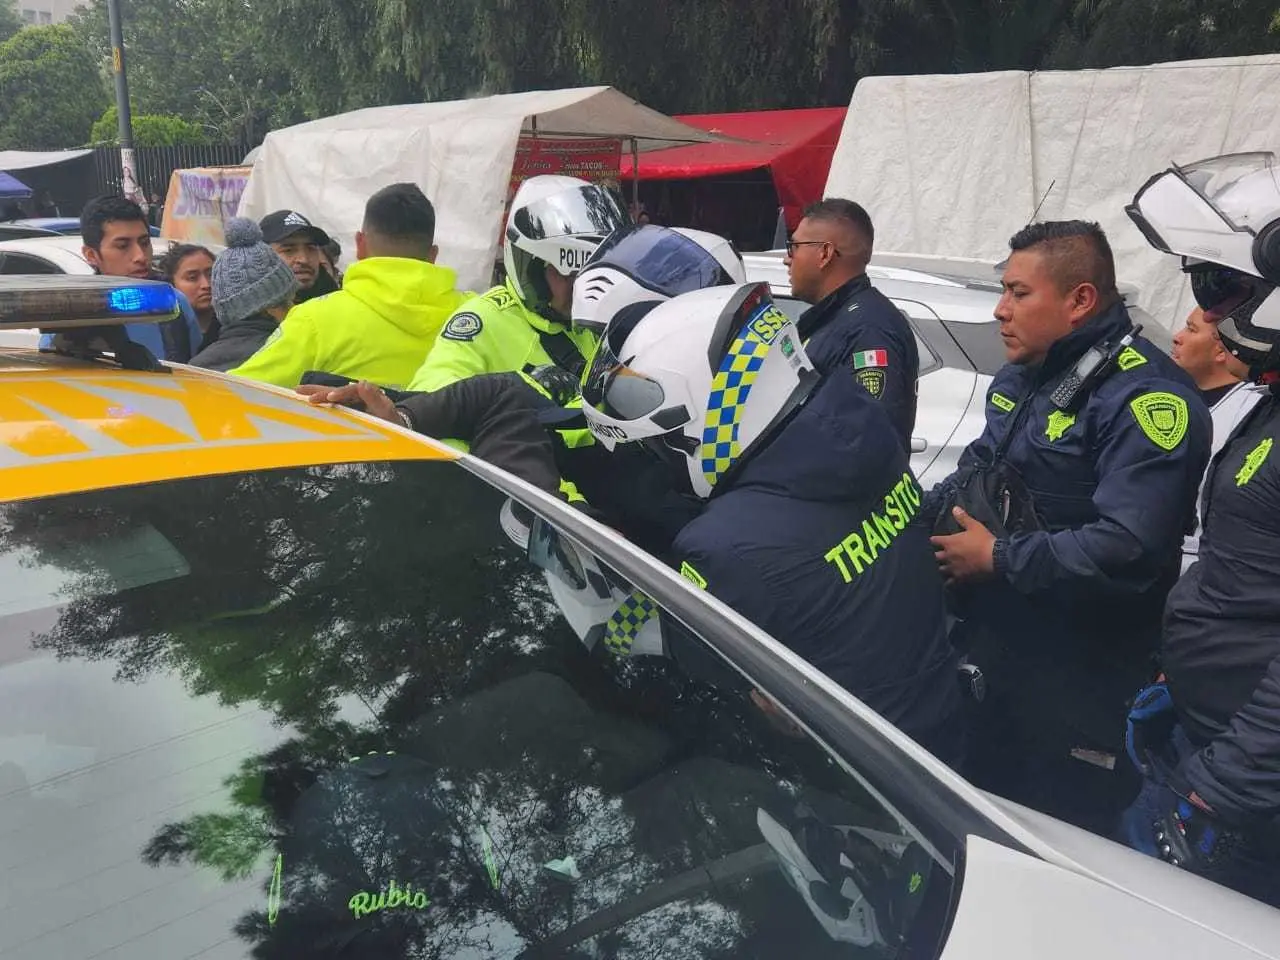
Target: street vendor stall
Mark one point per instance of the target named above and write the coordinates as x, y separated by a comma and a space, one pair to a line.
463, 153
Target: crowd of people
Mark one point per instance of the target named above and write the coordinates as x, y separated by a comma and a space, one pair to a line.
1031, 619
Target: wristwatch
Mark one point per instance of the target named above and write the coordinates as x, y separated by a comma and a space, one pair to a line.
405, 418
1000, 557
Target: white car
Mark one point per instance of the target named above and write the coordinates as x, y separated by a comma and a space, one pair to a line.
49, 255
282, 681
950, 304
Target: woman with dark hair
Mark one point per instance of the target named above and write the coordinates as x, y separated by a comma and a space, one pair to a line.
189, 267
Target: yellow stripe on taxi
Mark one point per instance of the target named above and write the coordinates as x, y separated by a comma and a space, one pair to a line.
68, 426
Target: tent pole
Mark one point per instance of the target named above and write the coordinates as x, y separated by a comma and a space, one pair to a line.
635, 172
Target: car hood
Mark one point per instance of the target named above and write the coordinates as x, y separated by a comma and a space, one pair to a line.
1086, 876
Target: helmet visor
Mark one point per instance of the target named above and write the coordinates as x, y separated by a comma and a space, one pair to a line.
1238, 186
1220, 290
1209, 210
615, 390
666, 262
590, 211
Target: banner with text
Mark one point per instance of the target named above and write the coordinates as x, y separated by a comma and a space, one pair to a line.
200, 201
596, 161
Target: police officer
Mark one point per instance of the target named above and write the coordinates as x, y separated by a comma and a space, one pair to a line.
531, 424
556, 224
852, 326
808, 533
1110, 440
1208, 738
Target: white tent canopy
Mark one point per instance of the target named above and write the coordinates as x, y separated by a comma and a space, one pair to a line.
954, 165
26, 159
459, 152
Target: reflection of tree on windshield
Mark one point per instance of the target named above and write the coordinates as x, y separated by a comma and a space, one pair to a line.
299, 591
575, 781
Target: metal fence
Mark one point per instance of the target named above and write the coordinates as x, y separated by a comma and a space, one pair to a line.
156, 165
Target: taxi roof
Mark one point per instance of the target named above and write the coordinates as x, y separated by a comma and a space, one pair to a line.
69, 425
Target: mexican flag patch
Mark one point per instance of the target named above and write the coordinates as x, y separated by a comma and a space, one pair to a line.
870, 358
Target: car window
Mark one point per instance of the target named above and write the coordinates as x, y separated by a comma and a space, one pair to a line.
929, 360
21, 263
370, 710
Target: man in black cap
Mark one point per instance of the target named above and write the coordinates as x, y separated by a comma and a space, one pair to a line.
298, 241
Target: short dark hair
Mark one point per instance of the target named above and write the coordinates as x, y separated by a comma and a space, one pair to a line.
401, 217
1075, 251
168, 264
854, 214
100, 211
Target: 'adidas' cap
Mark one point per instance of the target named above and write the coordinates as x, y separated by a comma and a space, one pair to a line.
285, 223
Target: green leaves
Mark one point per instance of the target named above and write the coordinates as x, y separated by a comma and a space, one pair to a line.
50, 88
149, 130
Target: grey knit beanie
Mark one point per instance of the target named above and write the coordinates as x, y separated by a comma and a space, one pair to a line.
249, 277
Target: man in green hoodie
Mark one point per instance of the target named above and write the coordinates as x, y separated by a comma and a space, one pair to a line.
385, 319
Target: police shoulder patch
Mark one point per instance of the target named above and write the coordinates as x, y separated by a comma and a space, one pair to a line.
500, 298
462, 326
872, 380
1001, 402
1130, 358
1163, 417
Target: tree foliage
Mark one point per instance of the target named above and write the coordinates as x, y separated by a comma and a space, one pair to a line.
206, 61
238, 68
149, 130
10, 20
50, 89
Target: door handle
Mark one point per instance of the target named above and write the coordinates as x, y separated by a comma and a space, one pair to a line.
919, 445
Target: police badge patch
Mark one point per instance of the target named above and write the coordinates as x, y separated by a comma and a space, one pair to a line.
1163, 417
462, 326
872, 381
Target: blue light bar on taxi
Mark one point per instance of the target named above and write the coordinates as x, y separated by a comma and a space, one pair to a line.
67, 302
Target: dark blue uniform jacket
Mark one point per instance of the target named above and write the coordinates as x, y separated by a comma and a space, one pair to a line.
812, 542
849, 330
1114, 487
1221, 649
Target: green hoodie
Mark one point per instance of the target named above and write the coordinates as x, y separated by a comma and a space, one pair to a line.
378, 327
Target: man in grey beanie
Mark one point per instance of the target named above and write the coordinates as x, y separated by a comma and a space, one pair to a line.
252, 291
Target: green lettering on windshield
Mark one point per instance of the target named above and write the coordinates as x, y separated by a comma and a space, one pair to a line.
395, 896
273, 896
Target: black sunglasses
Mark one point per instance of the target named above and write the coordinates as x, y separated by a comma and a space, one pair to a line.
792, 244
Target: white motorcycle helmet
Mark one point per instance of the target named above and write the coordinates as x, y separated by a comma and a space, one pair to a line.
650, 263
558, 222
599, 606
1222, 216
705, 379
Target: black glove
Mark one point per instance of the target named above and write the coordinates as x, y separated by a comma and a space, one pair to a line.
558, 382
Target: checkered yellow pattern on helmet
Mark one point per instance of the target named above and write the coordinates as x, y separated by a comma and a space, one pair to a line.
627, 621
729, 391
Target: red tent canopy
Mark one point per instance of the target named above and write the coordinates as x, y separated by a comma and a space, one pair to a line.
796, 146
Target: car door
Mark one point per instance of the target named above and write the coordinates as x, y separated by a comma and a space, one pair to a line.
946, 391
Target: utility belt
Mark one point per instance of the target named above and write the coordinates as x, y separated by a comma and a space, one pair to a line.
994, 493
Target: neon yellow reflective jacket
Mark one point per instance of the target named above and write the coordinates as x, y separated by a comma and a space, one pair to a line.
492, 333
378, 327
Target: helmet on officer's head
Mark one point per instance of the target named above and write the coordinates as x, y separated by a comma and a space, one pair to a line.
558, 222
647, 263
1222, 217
705, 380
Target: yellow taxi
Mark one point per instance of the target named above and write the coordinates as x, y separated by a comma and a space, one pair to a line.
282, 681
